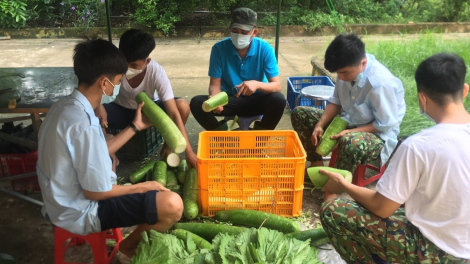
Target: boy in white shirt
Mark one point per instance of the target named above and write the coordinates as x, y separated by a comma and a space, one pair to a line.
144, 75
429, 173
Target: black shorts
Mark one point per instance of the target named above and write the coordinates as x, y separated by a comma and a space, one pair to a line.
128, 210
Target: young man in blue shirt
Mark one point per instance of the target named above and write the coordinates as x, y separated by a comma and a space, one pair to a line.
246, 69
74, 168
367, 96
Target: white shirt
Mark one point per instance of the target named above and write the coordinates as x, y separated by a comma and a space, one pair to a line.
430, 173
378, 98
73, 156
155, 84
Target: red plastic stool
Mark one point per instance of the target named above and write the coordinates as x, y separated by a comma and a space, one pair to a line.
97, 242
359, 175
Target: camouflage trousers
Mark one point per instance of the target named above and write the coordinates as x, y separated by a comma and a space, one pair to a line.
353, 148
356, 233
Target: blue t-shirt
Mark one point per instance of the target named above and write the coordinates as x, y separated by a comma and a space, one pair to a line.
259, 64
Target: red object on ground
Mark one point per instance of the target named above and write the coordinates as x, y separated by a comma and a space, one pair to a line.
359, 175
97, 242
15, 164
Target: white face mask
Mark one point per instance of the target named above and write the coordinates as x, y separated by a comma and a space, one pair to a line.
106, 99
240, 41
423, 112
131, 73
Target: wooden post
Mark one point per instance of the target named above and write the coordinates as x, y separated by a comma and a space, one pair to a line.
36, 119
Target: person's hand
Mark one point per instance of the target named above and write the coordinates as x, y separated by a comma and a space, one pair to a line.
335, 183
247, 88
102, 115
152, 186
218, 110
317, 134
141, 121
191, 158
340, 134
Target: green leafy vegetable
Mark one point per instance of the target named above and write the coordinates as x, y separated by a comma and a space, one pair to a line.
149, 250
252, 246
166, 248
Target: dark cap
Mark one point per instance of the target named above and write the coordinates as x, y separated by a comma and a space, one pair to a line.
243, 18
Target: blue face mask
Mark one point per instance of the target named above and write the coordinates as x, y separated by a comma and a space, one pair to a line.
360, 76
423, 112
106, 99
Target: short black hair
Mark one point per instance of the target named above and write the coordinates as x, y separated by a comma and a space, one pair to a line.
344, 51
136, 45
442, 77
93, 58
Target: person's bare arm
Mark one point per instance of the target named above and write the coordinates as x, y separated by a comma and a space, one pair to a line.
140, 121
370, 199
215, 88
102, 115
119, 190
116, 142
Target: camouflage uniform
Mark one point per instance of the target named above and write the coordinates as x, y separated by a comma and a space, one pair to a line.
356, 233
353, 148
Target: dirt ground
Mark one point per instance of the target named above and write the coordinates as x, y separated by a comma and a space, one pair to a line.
28, 237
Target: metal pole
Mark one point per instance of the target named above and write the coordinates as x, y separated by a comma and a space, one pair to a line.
21, 196
278, 25
108, 20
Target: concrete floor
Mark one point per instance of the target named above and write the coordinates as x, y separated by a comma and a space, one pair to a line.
185, 61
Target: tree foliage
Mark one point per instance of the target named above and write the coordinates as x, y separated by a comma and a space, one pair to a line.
165, 14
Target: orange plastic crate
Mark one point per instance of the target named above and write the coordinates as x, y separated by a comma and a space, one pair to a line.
14, 164
258, 170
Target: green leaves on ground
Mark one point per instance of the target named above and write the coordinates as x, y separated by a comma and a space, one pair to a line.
166, 248
249, 247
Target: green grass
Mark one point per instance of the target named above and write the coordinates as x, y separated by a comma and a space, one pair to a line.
403, 56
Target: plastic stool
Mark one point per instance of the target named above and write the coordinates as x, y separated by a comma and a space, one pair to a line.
244, 122
359, 175
97, 242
